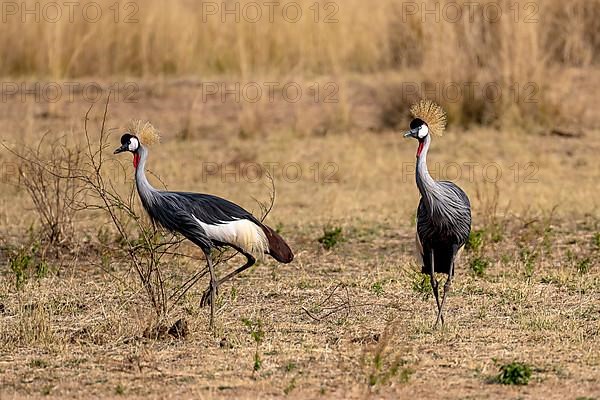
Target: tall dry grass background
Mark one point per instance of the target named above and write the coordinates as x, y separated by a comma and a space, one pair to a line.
183, 37
510, 43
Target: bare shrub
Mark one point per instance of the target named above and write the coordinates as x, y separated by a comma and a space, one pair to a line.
46, 173
84, 182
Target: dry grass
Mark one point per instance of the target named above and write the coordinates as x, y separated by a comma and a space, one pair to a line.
82, 333
521, 47
82, 328
511, 40
354, 320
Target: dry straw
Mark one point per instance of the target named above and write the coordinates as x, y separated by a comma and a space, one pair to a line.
432, 114
144, 131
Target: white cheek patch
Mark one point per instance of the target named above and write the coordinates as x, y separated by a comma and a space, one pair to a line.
133, 144
423, 131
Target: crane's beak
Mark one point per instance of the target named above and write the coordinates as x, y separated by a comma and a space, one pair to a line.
121, 149
411, 133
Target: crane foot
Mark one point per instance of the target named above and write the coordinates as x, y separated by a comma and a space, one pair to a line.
206, 296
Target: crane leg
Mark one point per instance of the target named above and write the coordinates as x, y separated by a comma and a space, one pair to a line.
250, 260
434, 286
213, 289
448, 284
447, 287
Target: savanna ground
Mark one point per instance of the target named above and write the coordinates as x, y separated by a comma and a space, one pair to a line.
350, 321
351, 316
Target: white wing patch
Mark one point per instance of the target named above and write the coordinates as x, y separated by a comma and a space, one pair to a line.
240, 232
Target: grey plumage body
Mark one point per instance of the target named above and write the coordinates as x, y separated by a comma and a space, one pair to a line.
443, 221
180, 211
206, 220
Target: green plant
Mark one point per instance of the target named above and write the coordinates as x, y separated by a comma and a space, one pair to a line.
377, 288
383, 370
257, 333
515, 373
475, 241
26, 262
41, 269
19, 264
548, 236
528, 258
384, 362
290, 366
596, 241
479, 265
257, 362
497, 232
38, 363
421, 284
405, 374
120, 389
583, 266
331, 237
291, 386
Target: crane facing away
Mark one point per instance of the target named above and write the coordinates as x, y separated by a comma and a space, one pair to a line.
444, 212
207, 221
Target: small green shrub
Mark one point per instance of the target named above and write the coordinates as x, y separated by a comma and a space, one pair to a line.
289, 367
377, 288
291, 386
421, 284
257, 362
479, 265
497, 233
528, 258
515, 373
475, 241
257, 333
331, 237
38, 363
385, 370
19, 265
120, 390
26, 262
596, 241
583, 266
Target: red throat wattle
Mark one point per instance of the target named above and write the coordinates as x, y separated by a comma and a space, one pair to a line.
136, 160
420, 148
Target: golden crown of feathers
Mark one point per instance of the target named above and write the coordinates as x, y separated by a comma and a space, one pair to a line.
144, 131
432, 114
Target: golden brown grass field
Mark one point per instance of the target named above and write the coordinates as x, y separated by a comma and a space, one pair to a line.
317, 93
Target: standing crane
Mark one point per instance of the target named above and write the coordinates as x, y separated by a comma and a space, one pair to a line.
444, 212
207, 221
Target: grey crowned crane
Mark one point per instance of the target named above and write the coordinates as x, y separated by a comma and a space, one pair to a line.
207, 221
444, 212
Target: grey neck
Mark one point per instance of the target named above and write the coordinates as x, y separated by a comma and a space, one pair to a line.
145, 189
